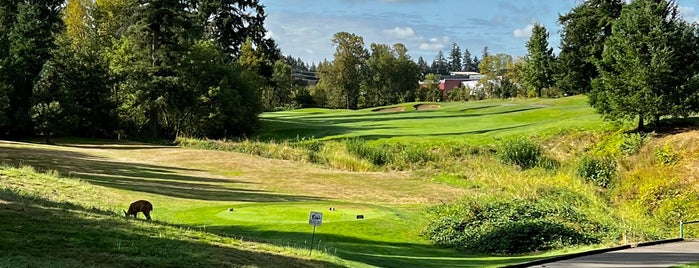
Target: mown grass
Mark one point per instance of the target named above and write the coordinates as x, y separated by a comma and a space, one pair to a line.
63, 222
391, 167
476, 122
193, 191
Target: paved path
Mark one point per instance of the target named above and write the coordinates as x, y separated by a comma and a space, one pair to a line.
665, 255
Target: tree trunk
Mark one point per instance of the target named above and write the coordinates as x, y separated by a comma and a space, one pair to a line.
153, 123
641, 126
656, 122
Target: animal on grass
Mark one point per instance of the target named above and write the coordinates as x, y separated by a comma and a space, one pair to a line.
139, 206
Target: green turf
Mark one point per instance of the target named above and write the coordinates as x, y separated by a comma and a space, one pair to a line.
478, 122
190, 197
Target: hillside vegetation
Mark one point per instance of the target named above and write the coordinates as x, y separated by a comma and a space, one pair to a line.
479, 196
531, 168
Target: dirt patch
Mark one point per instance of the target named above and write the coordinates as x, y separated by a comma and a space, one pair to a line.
389, 109
422, 107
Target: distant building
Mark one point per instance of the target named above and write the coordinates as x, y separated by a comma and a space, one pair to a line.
456, 79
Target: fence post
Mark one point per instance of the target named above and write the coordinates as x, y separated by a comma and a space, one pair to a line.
681, 229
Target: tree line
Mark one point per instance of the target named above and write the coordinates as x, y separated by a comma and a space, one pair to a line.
162, 68
146, 68
635, 61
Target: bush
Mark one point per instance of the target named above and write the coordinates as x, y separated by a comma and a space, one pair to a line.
666, 155
597, 170
360, 148
520, 151
515, 226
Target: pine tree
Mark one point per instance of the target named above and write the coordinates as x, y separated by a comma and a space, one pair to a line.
468, 62
538, 70
585, 29
649, 67
455, 58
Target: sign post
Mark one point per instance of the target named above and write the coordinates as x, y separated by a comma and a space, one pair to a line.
315, 219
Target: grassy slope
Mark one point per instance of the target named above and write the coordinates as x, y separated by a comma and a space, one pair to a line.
194, 189
270, 198
477, 122
61, 222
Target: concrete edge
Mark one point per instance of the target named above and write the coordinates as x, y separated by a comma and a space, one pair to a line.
567, 257
658, 242
592, 252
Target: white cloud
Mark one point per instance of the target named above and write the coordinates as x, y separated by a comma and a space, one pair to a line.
435, 44
269, 34
525, 32
689, 14
404, 33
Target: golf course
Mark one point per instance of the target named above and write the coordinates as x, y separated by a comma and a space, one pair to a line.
403, 168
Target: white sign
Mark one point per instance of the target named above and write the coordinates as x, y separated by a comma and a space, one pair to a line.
316, 218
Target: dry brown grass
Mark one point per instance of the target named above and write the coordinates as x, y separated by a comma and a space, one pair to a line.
252, 173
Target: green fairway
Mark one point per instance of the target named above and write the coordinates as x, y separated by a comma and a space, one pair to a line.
270, 201
477, 122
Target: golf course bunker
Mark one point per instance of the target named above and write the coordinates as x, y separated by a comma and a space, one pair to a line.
424, 107
389, 109
299, 213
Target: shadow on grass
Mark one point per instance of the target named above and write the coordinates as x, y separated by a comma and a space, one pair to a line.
474, 132
376, 253
40, 232
333, 125
166, 181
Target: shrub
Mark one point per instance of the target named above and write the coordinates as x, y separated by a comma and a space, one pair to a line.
360, 148
666, 155
514, 226
597, 170
620, 144
520, 151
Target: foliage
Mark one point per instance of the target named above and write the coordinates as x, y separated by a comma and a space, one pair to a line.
620, 144
585, 29
430, 90
666, 155
520, 151
468, 65
455, 58
600, 171
346, 72
230, 23
649, 40
440, 65
509, 226
537, 73
131, 58
392, 77
29, 27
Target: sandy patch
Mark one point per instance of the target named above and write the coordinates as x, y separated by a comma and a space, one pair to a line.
422, 107
390, 109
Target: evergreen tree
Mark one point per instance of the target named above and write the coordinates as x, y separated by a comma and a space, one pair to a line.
585, 29
649, 67
29, 43
468, 65
538, 70
455, 58
424, 68
440, 65
231, 22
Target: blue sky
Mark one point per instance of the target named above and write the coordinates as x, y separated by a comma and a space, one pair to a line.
303, 28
